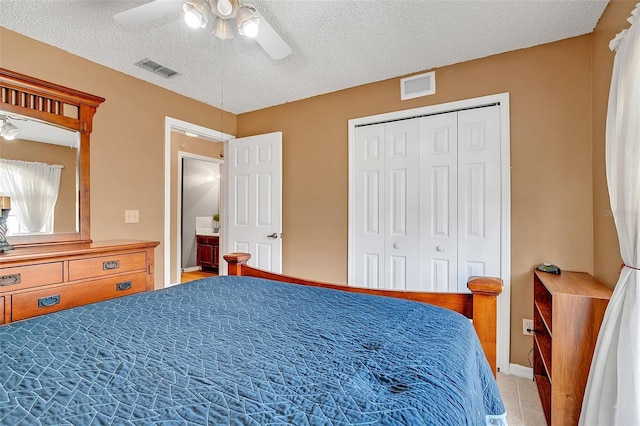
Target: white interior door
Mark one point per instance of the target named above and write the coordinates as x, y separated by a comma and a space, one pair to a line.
254, 199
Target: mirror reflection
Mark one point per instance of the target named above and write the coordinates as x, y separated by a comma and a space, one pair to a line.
39, 172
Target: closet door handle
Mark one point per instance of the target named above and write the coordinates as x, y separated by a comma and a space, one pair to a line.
274, 236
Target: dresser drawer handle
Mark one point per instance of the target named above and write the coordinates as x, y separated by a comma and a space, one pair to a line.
125, 285
10, 279
45, 302
111, 264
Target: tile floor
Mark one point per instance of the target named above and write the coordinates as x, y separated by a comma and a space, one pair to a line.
521, 400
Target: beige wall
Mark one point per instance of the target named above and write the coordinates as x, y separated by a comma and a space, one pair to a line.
127, 143
558, 98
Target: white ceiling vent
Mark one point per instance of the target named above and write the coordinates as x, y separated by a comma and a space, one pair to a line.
418, 85
155, 67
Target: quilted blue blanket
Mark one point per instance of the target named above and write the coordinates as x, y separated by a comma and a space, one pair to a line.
246, 351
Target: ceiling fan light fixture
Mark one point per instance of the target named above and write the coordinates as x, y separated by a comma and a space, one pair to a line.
224, 7
248, 21
223, 29
196, 13
7, 130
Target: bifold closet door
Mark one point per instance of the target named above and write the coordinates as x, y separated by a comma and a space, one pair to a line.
386, 219
459, 198
427, 201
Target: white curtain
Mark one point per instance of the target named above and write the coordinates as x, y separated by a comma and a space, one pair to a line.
33, 188
612, 396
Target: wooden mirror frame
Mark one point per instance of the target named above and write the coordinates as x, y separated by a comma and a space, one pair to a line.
60, 106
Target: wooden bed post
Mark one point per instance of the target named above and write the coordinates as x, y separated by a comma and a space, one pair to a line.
485, 305
235, 262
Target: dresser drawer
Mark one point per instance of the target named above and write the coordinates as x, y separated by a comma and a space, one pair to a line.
107, 265
39, 302
21, 277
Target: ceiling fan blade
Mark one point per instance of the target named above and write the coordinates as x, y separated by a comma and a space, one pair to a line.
270, 41
148, 12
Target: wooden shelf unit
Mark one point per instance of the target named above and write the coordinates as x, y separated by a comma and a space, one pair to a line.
567, 313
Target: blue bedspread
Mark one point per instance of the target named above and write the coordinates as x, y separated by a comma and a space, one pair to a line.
237, 350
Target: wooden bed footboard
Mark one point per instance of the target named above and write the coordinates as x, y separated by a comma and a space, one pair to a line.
481, 305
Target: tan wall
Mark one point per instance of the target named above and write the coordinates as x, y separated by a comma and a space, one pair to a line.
127, 143
606, 253
182, 143
550, 94
65, 210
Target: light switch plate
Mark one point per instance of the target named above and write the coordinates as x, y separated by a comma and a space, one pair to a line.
131, 216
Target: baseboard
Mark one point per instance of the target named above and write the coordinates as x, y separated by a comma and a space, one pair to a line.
191, 269
521, 371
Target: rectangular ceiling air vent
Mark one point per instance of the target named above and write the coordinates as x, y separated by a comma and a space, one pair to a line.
155, 67
418, 85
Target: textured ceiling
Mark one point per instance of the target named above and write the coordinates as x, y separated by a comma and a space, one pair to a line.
335, 44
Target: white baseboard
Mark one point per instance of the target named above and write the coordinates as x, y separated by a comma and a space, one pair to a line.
520, 371
191, 269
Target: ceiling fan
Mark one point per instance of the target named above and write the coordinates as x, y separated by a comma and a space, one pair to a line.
221, 16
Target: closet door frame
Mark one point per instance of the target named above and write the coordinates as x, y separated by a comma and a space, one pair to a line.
504, 304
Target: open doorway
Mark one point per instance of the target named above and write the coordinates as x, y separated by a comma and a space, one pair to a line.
183, 139
200, 208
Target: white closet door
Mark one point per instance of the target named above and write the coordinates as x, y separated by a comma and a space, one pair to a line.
386, 220
479, 193
438, 201
369, 199
402, 251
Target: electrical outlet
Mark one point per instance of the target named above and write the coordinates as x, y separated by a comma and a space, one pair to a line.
527, 327
131, 216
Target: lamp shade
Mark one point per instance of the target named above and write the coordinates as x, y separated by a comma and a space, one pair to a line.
247, 21
9, 131
5, 202
196, 13
223, 29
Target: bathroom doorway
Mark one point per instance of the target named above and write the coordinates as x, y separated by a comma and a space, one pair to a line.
200, 206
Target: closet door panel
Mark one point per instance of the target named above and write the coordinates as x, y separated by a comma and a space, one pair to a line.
369, 223
478, 193
438, 202
402, 205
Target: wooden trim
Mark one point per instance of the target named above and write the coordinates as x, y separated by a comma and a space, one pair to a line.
42, 100
480, 305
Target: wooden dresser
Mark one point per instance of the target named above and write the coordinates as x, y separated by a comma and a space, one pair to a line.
39, 280
567, 313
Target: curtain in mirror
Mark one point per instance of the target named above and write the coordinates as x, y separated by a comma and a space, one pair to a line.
33, 188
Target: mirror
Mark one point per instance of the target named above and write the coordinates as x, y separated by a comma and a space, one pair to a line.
49, 151
55, 124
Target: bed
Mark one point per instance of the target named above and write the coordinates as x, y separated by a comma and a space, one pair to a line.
249, 349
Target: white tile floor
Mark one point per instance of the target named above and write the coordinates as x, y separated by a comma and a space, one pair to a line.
521, 400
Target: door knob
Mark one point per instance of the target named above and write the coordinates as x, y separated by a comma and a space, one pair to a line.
440, 249
396, 246
274, 235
